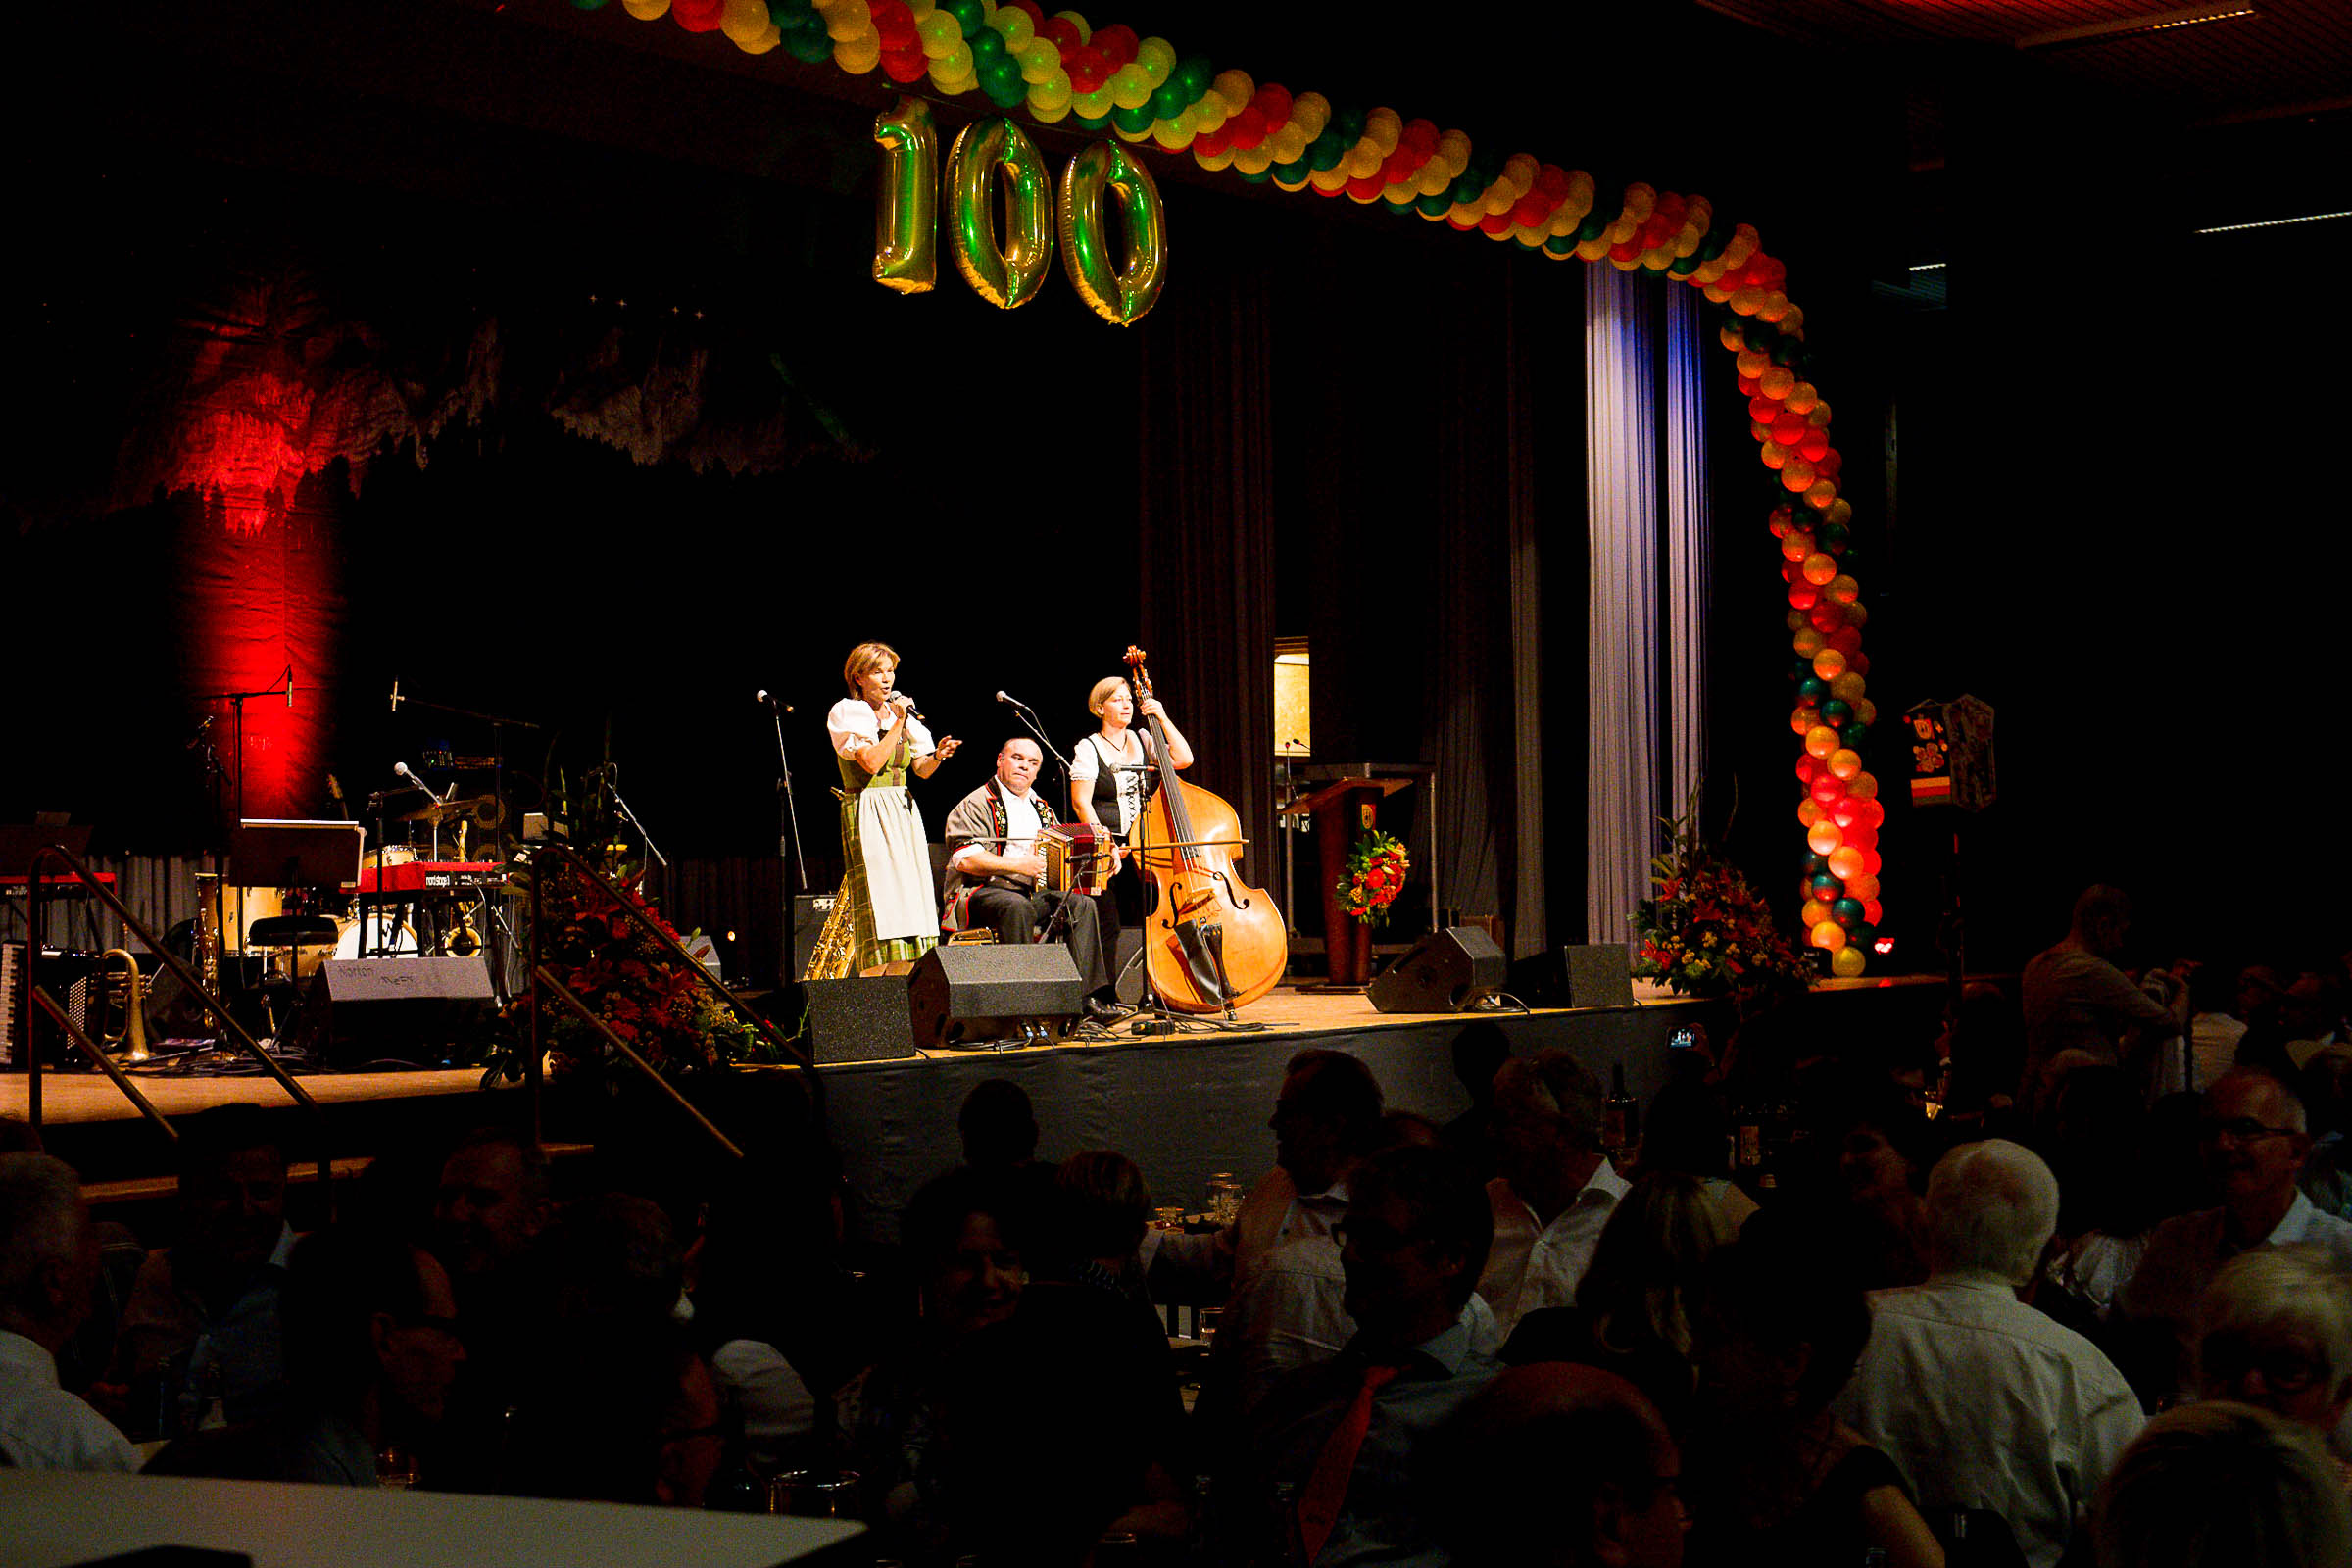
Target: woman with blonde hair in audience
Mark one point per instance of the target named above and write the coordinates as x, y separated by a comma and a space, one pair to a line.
2222, 1484
2276, 1331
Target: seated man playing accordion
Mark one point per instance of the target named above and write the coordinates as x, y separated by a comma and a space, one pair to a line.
996, 873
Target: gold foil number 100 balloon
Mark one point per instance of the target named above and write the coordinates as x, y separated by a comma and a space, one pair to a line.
1120, 295
1007, 269
907, 207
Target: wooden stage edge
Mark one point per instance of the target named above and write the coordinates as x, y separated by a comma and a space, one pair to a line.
1288, 1013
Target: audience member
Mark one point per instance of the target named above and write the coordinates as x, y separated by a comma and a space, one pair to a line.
1348, 1447
772, 1306
200, 1343
1479, 1053
371, 1349
1687, 1130
1983, 1401
2075, 999
1068, 1417
2324, 1086
2308, 1015
2255, 1141
2276, 1330
1555, 1191
1561, 1466
2223, 1006
963, 1234
998, 1127
496, 1196
2098, 1148
1633, 1307
1287, 1308
1983, 1049
1782, 1478
2223, 1485
47, 1266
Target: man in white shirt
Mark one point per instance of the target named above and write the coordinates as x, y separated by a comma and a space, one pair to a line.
994, 872
1555, 1191
1984, 1401
48, 1262
2254, 1139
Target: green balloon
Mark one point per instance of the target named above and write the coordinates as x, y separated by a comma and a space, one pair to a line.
1853, 735
1168, 101
987, 44
1350, 123
1812, 689
1437, 206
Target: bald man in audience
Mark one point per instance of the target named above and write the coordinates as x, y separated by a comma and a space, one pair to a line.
48, 1263
2253, 1138
1984, 1401
1556, 1188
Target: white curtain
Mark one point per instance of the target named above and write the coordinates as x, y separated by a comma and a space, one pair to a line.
1688, 537
1646, 528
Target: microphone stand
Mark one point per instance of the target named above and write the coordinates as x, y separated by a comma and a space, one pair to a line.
236, 702
788, 838
1029, 722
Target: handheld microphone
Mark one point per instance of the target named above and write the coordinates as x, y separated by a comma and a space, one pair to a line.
914, 711
769, 698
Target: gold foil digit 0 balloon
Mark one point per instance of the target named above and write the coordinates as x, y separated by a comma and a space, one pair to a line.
1118, 294
1008, 271
907, 202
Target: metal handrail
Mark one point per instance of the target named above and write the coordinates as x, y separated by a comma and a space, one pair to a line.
216, 1007
532, 1067
102, 1061
571, 999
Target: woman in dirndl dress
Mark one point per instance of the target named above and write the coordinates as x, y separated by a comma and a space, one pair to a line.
878, 741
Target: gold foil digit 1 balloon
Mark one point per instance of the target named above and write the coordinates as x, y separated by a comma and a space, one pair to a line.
1005, 272
1119, 294
907, 202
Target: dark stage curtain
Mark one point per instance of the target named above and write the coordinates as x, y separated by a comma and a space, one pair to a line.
1206, 513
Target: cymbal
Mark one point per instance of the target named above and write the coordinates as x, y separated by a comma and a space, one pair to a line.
449, 810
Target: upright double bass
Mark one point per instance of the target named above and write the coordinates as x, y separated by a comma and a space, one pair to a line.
1212, 941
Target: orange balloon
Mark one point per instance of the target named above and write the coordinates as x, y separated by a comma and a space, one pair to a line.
1845, 865
1844, 762
1829, 663
1825, 836
1821, 741
1829, 934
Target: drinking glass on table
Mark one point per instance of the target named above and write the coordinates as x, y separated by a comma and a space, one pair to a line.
395, 1468
1224, 1199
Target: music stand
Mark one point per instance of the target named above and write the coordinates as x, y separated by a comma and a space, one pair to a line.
273, 852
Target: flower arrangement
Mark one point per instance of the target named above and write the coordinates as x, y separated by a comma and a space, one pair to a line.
1376, 869
640, 987
1707, 933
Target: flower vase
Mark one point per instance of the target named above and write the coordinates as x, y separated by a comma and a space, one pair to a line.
1351, 953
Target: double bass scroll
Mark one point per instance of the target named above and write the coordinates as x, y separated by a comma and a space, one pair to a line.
1212, 941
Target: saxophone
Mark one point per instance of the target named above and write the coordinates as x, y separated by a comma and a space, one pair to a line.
836, 943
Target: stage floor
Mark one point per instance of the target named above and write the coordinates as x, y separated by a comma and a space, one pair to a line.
85, 1096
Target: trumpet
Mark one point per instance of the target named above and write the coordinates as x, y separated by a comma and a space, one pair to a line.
132, 1040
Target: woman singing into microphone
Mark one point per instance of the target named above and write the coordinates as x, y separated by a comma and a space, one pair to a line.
1111, 778
877, 740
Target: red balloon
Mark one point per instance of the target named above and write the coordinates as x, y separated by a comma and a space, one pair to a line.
1827, 617
1808, 765
1247, 128
1789, 429
1872, 910
1118, 43
896, 30
1847, 812
1831, 462
1749, 385
1063, 31
905, 66
1870, 862
1812, 445
1827, 788
1803, 595
700, 15
1089, 67
1036, 12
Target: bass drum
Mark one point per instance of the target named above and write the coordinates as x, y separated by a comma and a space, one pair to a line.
375, 936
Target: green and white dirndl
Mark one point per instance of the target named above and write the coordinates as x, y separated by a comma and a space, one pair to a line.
884, 850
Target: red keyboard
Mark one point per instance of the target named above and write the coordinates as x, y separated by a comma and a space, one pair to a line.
433, 876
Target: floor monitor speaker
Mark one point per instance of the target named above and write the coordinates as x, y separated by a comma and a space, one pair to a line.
1446, 971
859, 1018
358, 1012
989, 993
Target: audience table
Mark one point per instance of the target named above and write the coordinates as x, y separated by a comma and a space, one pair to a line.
53, 1519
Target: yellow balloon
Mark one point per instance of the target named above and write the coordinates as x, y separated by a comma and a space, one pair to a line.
906, 199
1006, 270
1847, 962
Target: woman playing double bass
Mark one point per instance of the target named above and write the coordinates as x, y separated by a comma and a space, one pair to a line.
1111, 778
878, 741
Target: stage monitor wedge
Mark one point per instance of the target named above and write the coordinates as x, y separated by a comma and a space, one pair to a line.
1596, 974
1453, 970
416, 1011
859, 1018
986, 993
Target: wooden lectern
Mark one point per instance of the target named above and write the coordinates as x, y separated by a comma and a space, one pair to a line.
1343, 809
